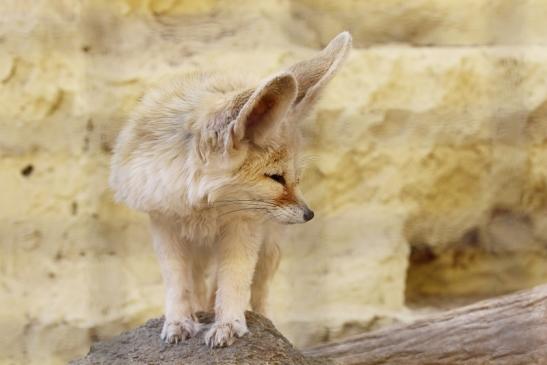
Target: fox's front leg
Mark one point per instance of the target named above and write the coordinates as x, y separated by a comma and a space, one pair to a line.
237, 255
173, 256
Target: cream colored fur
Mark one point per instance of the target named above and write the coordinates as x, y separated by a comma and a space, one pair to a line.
214, 162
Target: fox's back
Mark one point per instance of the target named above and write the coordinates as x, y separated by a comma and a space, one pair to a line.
155, 149
176, 108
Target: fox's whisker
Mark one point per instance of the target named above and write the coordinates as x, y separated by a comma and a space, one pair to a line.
223, 203
240, 205
240, 210
271, 202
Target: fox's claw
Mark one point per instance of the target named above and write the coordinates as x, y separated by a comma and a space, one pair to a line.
174, 332
224, 334
175, 338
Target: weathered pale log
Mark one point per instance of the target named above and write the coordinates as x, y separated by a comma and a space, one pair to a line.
507, 330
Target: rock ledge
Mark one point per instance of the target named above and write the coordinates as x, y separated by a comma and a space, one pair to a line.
263, 345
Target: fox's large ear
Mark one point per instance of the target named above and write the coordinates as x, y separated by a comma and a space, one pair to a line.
259, 111
312, 75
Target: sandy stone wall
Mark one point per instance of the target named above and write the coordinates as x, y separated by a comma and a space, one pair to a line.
428, 159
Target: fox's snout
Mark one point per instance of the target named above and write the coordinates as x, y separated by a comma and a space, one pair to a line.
308, 214
294, 214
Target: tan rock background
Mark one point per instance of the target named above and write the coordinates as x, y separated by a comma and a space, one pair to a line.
428, 169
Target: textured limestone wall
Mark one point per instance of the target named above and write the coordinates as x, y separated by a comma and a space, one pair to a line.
428, 157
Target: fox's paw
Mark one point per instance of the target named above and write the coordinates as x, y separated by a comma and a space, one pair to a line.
178, 331
223, 334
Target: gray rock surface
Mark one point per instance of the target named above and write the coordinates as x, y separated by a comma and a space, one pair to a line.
263, 345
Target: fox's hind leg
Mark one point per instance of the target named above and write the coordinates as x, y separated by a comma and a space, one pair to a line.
212, 296
174, 257
268, 262
200, 263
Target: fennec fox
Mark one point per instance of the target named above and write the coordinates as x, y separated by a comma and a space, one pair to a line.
214, 162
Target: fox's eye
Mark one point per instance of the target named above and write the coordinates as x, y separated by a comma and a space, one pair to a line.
278, 178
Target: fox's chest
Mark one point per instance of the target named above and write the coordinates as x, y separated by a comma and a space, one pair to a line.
205, 227
202, 228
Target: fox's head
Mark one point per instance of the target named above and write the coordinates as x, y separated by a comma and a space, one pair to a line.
216, 143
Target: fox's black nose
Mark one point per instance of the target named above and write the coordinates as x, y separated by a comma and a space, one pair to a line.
308, 215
